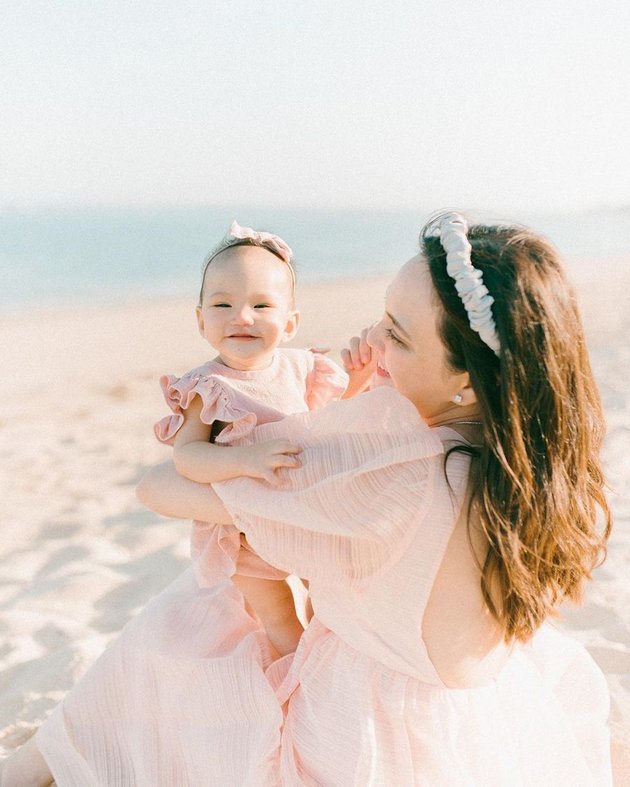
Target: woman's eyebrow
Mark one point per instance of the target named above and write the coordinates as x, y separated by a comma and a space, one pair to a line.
398, 325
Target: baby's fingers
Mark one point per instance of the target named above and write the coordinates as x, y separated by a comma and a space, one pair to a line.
269, 476
352, 355
346, 360
365, 351
284, 447
285, 460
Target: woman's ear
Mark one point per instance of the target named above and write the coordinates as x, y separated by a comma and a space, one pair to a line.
293, 321
465, 394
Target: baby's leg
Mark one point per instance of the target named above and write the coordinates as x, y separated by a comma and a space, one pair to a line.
25, 768
273, 603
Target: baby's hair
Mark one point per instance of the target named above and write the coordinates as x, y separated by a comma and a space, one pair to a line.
538, 480
265, 240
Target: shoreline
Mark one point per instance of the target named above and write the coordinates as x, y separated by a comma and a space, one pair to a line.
584, 271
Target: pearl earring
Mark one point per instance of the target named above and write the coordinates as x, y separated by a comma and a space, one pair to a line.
458, 398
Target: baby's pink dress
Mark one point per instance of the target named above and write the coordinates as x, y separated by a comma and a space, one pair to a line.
366, 518
295, 382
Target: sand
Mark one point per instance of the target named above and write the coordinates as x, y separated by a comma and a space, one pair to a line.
79, 555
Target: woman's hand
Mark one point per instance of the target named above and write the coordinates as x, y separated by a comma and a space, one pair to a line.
359, 362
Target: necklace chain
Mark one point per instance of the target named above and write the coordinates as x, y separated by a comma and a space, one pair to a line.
474, 423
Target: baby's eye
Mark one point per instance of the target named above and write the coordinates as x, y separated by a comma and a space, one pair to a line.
221, 305
391, 335
262, 306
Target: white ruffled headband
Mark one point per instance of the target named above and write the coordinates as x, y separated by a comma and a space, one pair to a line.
452, 229
235, 237
267, 239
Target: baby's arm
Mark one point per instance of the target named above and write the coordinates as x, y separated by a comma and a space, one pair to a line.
197, 459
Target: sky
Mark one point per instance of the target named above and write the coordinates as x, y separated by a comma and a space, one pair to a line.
492, 104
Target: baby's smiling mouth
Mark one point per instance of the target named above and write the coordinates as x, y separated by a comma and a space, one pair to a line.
381, 370
242, 335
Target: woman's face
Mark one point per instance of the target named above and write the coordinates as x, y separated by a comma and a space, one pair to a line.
409, 349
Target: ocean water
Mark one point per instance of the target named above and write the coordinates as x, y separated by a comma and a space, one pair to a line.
50, 257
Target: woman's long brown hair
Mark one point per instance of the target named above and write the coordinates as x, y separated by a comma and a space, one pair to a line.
538, 484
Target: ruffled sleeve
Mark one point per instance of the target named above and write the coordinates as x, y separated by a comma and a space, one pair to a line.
362, 491
325, 382
217, 405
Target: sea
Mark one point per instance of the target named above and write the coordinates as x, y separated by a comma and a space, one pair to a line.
54, 257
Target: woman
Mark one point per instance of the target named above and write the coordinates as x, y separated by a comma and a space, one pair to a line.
439, 525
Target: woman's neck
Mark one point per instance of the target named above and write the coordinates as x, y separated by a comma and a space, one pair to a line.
456, 414
466, 421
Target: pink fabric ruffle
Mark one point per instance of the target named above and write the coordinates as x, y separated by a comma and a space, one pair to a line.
220, 551
179, 393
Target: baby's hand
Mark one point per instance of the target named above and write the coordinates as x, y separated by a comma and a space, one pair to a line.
359, 362
263, 459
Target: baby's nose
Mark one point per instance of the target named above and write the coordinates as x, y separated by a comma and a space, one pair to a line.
244, 316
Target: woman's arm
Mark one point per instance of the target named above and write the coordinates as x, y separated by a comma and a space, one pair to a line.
166, 492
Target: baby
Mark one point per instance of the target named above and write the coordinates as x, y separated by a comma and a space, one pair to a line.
246, 310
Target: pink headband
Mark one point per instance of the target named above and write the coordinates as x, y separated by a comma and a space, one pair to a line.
273, 242
234, 237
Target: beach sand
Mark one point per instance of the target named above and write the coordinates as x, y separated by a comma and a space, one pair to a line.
79, 555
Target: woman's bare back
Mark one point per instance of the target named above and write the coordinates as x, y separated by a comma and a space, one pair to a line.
463, 640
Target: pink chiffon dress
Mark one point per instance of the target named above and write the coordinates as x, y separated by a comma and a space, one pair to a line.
366, 519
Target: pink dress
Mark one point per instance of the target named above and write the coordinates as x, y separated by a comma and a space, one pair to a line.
295, 382
192, 640
366, 519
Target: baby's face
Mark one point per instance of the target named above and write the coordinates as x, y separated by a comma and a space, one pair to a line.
247, 306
